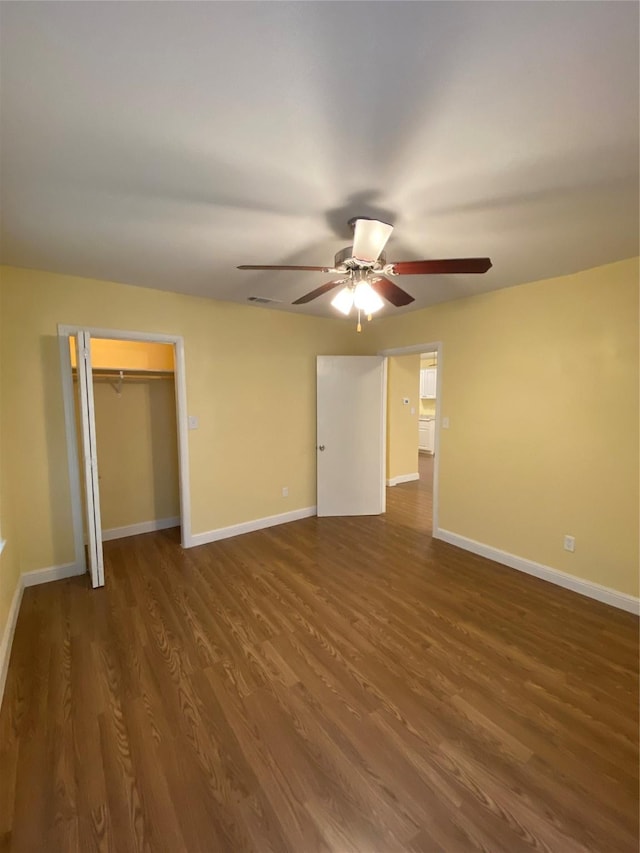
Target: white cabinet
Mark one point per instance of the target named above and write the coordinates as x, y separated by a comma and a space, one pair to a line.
431, 436
427, 435
428, 377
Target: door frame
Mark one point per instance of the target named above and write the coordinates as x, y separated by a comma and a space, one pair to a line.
434, 346
66, 331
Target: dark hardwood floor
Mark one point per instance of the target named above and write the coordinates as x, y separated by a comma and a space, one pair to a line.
339, 685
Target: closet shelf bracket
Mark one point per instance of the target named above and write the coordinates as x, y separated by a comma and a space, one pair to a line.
117, 386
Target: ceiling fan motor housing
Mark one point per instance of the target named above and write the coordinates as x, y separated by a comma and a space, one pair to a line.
344, 260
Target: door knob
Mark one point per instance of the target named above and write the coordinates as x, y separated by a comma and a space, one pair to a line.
321, 447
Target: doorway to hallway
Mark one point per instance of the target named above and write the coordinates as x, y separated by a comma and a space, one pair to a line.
417, 393
412, 502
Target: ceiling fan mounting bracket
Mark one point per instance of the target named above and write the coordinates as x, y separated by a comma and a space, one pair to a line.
344, 261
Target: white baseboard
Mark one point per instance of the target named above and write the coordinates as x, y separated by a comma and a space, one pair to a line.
250, 526
142, 527
53, 573
592, 590
7, 635
402, 478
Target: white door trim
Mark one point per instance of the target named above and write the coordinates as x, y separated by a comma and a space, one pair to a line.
64, 331
72, 448
434, 346
383, 414
90, 458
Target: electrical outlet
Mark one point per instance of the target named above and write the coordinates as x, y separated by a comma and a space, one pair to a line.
570, 543
445, 423
194, 422
285, 491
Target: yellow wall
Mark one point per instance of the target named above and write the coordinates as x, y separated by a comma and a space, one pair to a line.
403, 381
9, 565
250, 380
540, 383
127, 355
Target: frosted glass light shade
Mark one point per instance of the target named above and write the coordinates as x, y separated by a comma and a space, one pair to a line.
343, 300
369, 239
366, 299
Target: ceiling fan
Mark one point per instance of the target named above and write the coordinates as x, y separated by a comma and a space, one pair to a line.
364, 270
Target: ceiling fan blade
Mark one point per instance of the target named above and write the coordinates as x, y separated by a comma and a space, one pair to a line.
369, 239
442, 267
390, 291
324, 288
277, 267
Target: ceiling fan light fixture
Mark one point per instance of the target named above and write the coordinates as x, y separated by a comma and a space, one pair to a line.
366, 299
369, 239
343, 300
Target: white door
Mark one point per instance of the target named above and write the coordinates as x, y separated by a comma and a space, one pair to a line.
90, 458
350, 435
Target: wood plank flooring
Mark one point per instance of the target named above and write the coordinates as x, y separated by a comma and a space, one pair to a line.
335, 685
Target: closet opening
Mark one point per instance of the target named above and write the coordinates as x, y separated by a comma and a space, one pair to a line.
126, 418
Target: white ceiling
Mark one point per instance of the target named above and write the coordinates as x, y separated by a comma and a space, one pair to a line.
163, 144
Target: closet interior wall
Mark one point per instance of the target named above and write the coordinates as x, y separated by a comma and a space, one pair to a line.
136, 430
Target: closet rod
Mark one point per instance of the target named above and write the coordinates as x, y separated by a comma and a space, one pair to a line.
115, 373
111, 374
